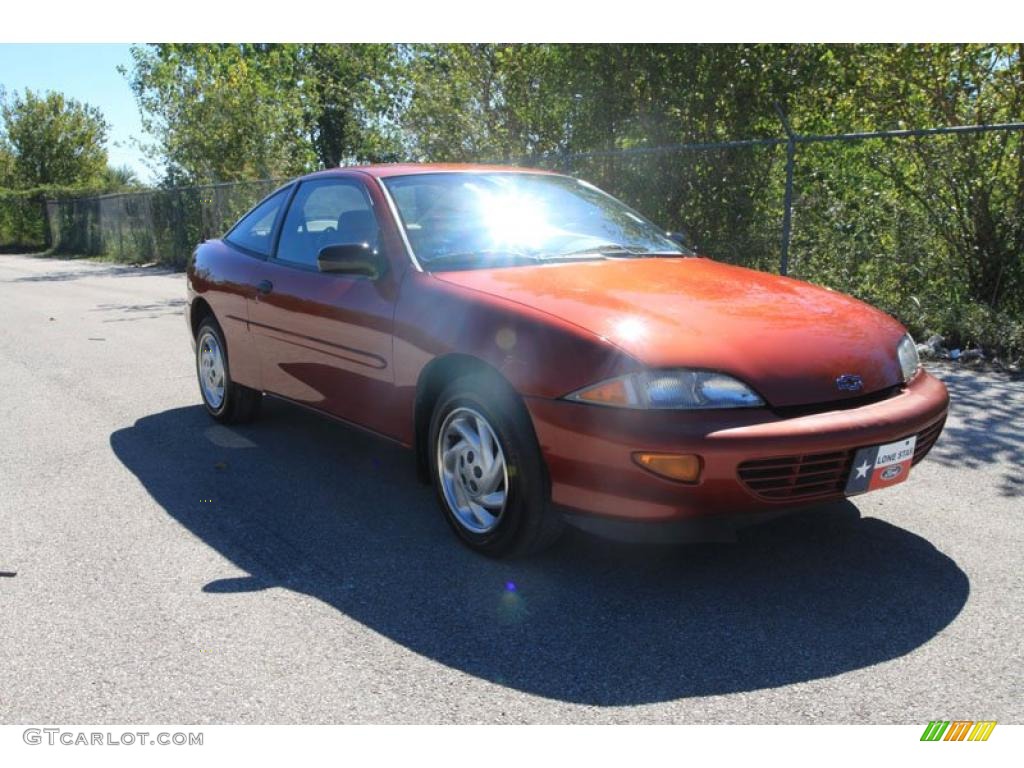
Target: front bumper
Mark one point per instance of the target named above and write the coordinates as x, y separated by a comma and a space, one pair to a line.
588, 450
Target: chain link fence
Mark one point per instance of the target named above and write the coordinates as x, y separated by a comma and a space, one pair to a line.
160, 226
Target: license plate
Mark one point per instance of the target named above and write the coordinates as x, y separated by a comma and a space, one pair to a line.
880, 466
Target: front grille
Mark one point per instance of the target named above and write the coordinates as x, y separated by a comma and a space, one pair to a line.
814, 475
926, 439
797, 477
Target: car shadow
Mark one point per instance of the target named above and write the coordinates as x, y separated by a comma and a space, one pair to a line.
303, 503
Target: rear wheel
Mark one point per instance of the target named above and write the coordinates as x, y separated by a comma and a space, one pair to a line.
487, 470
226, 401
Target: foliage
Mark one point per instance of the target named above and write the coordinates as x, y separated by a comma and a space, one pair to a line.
22, 220
6, 164
488, 101
120, 178
222, 112
50, 146
52, 140
349, 102
24, 223
230, 112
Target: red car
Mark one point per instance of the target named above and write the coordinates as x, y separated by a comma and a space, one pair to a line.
550, 355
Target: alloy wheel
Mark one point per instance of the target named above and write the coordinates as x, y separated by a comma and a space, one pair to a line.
211, 369
472, 469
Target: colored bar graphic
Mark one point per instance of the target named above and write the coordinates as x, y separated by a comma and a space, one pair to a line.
958, 730
982, 730
934, 730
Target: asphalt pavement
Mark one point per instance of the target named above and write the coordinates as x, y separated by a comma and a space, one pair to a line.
158, 568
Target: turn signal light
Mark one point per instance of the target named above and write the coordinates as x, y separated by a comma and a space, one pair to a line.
611, 392
681, 467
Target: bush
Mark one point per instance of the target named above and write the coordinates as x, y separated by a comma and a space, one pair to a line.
27, 222
22, 220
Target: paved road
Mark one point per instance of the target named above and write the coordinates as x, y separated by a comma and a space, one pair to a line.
170, 570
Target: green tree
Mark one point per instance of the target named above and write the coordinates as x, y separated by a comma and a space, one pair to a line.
223, 112
483, 101
6, 164
233, 112
53, 140
351, 101
120, 177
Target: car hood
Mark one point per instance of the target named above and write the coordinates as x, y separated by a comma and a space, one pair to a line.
788, 339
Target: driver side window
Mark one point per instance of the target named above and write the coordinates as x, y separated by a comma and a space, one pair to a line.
326, 212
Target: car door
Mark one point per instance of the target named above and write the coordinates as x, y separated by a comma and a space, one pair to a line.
229, 286
325, 339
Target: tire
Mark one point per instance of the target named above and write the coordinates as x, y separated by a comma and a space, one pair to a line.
225, 401
524, 523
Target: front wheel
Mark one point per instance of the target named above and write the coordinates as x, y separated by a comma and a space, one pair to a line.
226, 401
487, 470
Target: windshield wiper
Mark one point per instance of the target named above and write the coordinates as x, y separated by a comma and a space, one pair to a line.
604, 249
613, 250
499, 258
480, 259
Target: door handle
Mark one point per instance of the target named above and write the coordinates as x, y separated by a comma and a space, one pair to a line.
264, 287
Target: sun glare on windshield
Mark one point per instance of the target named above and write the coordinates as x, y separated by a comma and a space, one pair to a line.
514, 220
467, 220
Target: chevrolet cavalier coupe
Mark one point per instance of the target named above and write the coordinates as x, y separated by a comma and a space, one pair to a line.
550, 355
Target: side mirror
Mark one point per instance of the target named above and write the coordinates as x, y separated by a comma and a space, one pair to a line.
350, 259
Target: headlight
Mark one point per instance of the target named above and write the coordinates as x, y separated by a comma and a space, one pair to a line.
670, 390
909, 361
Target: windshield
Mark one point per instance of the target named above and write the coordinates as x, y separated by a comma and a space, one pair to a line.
471, 220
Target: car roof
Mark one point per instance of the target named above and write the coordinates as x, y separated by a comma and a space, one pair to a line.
384, 170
